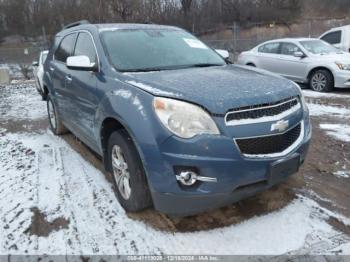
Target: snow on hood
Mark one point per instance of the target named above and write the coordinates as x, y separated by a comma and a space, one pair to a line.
216, 88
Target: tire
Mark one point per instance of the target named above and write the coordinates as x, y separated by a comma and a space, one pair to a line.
322, 81
251, 64
133, 192
56, 124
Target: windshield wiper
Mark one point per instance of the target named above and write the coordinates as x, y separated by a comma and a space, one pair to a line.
142, 70
205, 65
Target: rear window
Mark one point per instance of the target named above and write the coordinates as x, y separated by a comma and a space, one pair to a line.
333, 37
271, 48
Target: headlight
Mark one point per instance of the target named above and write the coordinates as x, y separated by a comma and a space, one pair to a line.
342, 66
184, 119
302, 98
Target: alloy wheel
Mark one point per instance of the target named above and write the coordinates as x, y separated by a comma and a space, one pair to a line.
121, 172
319, 82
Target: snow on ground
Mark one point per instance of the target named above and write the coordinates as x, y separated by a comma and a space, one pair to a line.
313, 94
342, 174
322, 110
16, 99
338, 131
45, 172
14, 70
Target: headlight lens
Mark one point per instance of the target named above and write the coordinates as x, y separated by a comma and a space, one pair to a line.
302, 98
184, 119
342, 66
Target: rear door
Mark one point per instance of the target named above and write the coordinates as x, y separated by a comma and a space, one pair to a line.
268, 55
82, 86
294, 68
59, 72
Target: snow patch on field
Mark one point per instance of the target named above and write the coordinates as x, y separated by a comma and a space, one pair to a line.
342, 174
21, 101
313, 94
338, 131
45, 172
321, 110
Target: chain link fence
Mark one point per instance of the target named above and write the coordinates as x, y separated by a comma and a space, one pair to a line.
238, 38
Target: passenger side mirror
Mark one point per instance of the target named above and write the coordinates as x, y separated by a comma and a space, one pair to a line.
35, 63
223, 53
82, 63
299, 54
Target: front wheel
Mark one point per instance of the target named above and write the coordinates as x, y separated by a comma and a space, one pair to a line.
56, 124
322, 81
129, 177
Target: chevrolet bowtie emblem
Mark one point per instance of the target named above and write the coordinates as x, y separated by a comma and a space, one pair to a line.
280, 126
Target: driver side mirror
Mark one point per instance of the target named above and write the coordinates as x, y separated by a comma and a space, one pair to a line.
82, 63
299, 54
223, 53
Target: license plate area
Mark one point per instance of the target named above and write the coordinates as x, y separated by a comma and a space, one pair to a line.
279, 171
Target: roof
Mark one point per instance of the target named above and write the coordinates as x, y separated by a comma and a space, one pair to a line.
119, 26
295, 39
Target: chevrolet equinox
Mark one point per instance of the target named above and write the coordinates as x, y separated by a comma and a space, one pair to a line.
177, 125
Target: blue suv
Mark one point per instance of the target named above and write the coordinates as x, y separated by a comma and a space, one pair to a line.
178, 126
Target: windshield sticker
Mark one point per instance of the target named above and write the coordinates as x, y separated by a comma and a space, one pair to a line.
194, 43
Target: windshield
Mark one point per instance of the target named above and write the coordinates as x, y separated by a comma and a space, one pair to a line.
319, 47
150, 50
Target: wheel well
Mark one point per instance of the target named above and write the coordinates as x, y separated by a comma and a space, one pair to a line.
316, 69
109, 125
46, 92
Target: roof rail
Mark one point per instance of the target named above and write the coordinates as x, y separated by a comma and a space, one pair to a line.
81, 22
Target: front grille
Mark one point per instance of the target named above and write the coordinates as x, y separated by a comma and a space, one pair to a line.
260, 111
269, 144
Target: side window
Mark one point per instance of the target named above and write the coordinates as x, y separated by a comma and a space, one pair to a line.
289, 49
86, 47
271, 48
66, 48
333, 37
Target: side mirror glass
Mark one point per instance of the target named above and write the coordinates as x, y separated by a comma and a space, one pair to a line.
82, 63
223, 53
299, 54
35, 63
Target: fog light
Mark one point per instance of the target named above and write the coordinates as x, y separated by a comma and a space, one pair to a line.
189, 178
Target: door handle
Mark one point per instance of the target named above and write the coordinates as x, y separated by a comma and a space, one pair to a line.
69, 78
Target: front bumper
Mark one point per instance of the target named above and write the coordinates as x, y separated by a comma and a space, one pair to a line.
237, 177
342, 78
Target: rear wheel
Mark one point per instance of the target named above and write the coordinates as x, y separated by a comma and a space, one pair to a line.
129, 177
56, 124
321, 81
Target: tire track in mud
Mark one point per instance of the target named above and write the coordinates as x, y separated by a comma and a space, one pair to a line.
17, 183
78, 196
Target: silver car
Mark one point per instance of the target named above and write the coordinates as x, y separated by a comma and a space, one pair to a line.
303, 60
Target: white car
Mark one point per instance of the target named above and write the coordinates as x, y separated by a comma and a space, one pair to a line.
38, 70
303, 60
338, 37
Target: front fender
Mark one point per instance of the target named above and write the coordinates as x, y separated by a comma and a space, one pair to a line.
133, 108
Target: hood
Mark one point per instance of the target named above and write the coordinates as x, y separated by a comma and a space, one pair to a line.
218, 89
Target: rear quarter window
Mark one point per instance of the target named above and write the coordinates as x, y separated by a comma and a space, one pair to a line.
333, 37
270, 48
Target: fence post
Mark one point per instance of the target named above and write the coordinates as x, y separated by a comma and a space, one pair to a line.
234, 39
